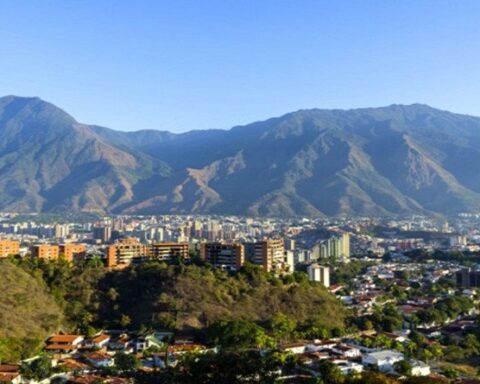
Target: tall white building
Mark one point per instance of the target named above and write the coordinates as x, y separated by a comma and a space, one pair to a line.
319, 273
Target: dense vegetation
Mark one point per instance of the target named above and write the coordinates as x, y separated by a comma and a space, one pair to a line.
27, 313
466, 258
210, 302
195, 297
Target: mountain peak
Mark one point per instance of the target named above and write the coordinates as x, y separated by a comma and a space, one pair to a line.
395, 159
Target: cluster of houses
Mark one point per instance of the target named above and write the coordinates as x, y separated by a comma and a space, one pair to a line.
350, 357
82, 358
100, 350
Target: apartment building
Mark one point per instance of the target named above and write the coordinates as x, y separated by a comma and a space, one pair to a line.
319, 274
128, 250
230, 256
168, 251
268, 253
102, 233
45, 251
337, 247
9, 247
468, 278
73, 251
125, 252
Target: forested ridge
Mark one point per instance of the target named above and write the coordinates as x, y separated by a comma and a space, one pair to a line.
185, 298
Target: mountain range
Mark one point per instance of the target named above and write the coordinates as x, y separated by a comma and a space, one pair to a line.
399, 159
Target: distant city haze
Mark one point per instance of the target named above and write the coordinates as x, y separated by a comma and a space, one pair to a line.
189, 65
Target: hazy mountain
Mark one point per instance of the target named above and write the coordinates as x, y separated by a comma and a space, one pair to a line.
49, 161
396, 159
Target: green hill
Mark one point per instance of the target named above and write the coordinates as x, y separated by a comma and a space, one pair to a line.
28, 314
193, 297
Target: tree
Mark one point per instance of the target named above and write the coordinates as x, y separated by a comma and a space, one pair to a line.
231, 366
330, 373
282, 327
125, 362
451, 373
403, 367
436, 351
37, 369
125, 321
238, 334
411, 348
471, 344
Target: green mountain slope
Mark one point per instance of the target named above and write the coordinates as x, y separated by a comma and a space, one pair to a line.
27, 313
192, 297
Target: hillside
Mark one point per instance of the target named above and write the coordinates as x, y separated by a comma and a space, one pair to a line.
152, 296
27, 313
50, 162
374, 161
191, 297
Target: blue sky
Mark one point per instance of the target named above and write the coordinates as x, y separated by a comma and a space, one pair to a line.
182, 65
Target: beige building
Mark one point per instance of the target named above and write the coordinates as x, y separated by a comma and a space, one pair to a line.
268, 253
129, 249
230, 256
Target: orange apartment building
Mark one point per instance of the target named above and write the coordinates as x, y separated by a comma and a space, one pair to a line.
128, 250
53, 251
125, 251
45, 251
73, 251
9, 247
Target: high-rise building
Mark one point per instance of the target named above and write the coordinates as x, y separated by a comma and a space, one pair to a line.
345, 246
125, 252
289, 244
102, 233
468, 278
9, 247
319, 274
337, 247
268, 253
61, 231
230, 256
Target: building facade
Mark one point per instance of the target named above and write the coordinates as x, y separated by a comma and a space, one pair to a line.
45, 251
73, 251
268, 253
9, 247
168, 251
230, 256
319, 274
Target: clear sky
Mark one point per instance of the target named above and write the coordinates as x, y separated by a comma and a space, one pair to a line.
182, 65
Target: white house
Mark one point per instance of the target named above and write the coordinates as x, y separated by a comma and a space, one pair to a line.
347, 350
348, 366
419, 368
99, 341
318, 345
100, 360
383, 360
295, 348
